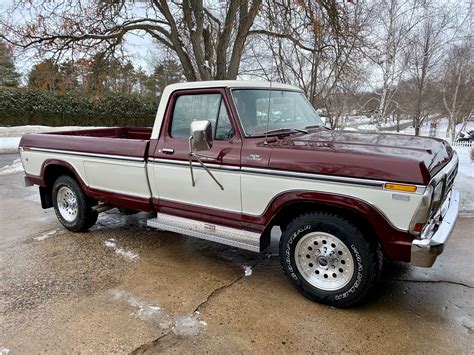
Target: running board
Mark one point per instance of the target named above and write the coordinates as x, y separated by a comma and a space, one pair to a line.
215, 233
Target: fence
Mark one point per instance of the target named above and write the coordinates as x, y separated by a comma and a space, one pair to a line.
463, 144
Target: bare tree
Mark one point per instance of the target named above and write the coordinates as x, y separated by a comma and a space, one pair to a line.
342, 102
395, 20
424, 52
207, 39
457, 84
310, 44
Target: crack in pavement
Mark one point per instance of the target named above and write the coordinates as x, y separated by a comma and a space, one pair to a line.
170, 339
434, 282
155, 343
216, 291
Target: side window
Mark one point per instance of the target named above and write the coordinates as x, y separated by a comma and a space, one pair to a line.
210, 107
190, 108
223, 128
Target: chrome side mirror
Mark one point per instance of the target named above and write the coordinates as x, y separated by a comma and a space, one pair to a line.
201, 133
200, 139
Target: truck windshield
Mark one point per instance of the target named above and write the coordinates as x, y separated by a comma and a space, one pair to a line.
289, 111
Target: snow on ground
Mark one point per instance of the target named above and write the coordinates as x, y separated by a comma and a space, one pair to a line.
464, 182
373, 126
45, 236
17, 131
142, 309
247, 270
10, 136
9, 144
13, 168
187, 325
112, 244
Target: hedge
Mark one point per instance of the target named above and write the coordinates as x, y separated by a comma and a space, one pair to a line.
31, 107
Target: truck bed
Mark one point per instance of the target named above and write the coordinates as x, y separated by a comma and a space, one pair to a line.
119, 141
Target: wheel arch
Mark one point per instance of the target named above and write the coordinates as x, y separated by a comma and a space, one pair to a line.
50, 171
394, 243
53, 168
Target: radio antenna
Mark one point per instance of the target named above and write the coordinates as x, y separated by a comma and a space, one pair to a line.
269, 96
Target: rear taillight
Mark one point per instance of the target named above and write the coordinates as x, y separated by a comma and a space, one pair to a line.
418, 228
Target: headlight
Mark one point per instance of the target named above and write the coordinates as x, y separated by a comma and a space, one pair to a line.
423, 212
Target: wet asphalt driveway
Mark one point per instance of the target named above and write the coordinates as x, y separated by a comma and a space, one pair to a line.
123, 287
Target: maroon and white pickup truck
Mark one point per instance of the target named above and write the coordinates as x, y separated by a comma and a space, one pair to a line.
227, 161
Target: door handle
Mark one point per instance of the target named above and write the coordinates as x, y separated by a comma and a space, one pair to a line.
167, 150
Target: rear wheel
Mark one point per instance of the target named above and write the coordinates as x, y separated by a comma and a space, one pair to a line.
328, 259
71, 205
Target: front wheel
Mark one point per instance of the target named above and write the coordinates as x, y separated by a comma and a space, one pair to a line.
71, 205
328, 259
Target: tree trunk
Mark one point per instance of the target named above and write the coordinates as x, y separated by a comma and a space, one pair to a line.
417, 129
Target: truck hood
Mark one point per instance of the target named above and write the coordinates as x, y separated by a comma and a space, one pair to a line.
388, 157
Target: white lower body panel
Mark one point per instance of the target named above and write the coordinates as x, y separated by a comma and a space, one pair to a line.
215, 233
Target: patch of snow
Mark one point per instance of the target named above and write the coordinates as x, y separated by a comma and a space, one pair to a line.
143, 310
111, 243
188, 326
17, 131
4, 350
247, 270
464, 182
15, 167
45, 236
9, 144
373, 127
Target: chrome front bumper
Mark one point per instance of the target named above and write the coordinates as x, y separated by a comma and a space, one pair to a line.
434, 237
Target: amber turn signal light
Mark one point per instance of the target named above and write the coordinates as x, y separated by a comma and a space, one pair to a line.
400, 187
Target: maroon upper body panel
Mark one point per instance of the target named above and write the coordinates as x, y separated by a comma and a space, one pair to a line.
390, 157
129, 142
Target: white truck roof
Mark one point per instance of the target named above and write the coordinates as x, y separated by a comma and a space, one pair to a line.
229, 84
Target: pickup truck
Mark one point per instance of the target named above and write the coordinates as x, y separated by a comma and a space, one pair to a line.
227, 161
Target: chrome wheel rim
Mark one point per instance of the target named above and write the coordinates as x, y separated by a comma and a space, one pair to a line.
324, 261
67, 203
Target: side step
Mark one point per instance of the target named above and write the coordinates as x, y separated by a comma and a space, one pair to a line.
215, 233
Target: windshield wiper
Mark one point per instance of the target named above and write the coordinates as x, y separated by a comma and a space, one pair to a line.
285, 130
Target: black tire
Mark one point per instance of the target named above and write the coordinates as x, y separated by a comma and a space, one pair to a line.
84, 217
366, 259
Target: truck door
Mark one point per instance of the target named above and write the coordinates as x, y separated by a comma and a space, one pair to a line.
172, 177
